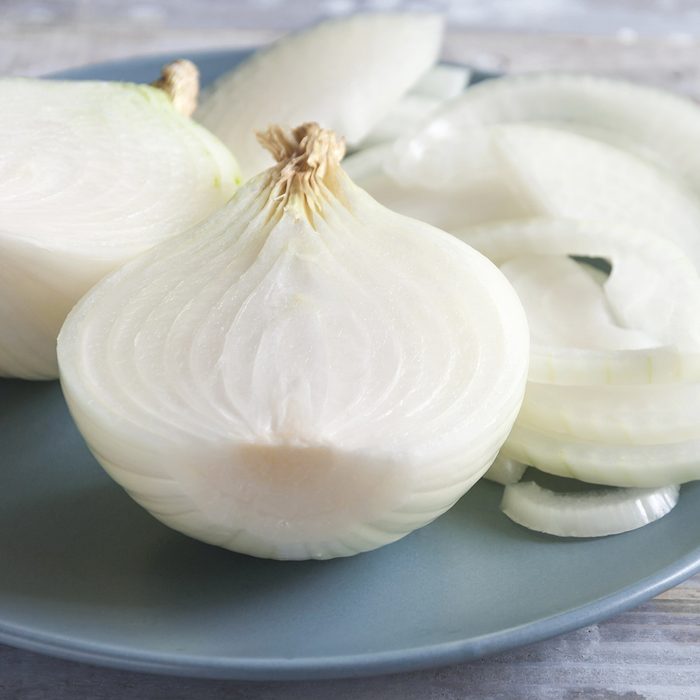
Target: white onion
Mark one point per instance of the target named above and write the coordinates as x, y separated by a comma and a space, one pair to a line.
586, 514
345, 74
597, 171
306, 374
91, 174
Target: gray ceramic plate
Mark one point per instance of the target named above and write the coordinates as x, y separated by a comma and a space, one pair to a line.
86, 574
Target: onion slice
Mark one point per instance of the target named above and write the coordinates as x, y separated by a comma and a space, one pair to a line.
635, 415
608, 464
443, 82
652, 294
652, 123
345, 74
505, 470
454, 177
596, 513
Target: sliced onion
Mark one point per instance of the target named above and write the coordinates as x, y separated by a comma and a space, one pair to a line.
653, 288
403, 118
619, 464
637, 415
586, 514
652, 123
566, 308
505, 470
345, 74
443, 82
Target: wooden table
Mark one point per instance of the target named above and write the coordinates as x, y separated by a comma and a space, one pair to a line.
650, 652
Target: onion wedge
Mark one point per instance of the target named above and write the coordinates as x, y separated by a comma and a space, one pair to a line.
586, 514
440, 84
345, 74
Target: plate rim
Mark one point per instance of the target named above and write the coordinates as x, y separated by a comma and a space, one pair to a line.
341, 666
356, 665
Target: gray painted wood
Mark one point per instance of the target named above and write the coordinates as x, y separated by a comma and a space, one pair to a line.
650, 652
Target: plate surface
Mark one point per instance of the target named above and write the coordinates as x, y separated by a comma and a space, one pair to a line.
86, 574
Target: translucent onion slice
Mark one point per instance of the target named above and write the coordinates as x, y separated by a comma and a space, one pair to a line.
586, 514
91, 174
443, 82
505, 470
641, 330
403, 118
451, 173
566, 308
347, 75
620, 464
487, 196
440, 84
305, 375
636, 415
655, 124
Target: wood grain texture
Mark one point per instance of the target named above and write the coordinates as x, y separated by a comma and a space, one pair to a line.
652, 652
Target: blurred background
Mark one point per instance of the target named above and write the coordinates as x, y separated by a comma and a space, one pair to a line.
657, 41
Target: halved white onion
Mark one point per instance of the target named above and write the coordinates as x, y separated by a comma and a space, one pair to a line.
91, 174
345, 74
306, 374
586, 514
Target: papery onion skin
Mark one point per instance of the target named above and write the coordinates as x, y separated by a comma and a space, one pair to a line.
91, 174
305, 375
